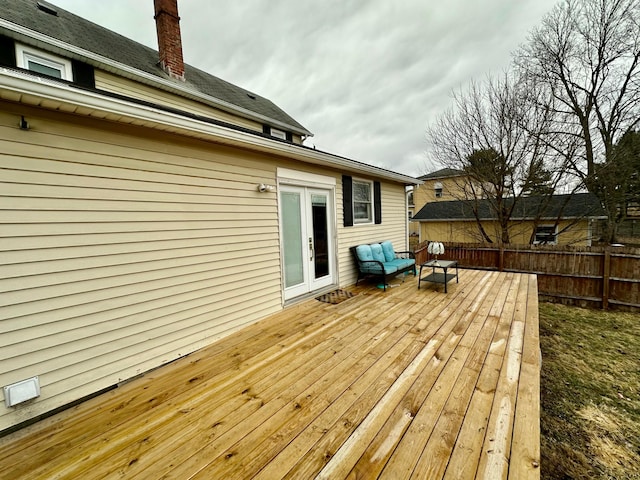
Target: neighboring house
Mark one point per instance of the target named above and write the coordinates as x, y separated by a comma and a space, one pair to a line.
560, 219
441, 185
146, 212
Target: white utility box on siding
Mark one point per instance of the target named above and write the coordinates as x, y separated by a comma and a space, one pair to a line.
21, 391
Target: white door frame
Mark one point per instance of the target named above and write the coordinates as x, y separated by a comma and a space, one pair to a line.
307, 184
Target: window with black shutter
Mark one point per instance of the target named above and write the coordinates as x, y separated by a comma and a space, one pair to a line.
362, 201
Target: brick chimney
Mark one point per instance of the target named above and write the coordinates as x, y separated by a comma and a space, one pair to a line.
169, 40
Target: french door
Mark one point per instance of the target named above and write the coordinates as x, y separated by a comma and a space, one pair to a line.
306, 226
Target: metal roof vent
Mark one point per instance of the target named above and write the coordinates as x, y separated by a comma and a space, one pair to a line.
47, 8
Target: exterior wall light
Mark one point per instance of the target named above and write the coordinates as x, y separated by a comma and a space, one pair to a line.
263, 187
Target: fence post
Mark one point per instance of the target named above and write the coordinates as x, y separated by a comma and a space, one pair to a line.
606, 273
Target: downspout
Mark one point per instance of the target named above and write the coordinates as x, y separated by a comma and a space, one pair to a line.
406, 219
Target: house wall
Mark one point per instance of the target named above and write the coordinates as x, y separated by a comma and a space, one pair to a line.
124, 248
577, 232
122, 86
452, 189
464, 232
393, 227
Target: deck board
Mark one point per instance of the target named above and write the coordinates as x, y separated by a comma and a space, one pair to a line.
405, 383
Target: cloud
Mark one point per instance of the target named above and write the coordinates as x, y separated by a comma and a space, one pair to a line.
366, 76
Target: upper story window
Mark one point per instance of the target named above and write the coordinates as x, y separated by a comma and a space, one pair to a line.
437, 187
362, 201
41, 62
278, 133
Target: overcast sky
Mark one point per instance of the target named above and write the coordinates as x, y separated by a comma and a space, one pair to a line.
365, 76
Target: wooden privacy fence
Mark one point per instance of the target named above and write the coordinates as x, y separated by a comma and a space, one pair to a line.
600, 277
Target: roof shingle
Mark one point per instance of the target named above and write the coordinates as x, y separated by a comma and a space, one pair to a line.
79, 32
577, 205
442, 173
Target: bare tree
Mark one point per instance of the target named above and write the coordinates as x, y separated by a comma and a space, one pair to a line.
500, 141
586, 55
618, 179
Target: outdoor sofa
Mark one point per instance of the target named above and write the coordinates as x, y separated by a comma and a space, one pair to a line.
380, 260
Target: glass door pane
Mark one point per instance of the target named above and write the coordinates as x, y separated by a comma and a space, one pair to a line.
292, 238
319, 217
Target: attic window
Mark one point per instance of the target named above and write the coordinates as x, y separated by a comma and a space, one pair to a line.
278, 133
47, 8
41, 62
438, 189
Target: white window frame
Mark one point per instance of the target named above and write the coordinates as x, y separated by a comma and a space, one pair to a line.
362, 221
437, 187
278, 133
555, 235
25, 54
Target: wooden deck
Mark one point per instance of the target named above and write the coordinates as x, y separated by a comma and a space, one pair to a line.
404, 384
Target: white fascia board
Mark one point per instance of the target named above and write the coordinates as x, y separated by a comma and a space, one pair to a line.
59, 96
46, 42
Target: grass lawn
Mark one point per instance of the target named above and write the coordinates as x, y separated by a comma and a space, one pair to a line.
590, 387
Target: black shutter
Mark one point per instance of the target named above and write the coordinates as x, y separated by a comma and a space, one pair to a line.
347, 200
289, 136
266, 129
7, 52
83, 74
377, 202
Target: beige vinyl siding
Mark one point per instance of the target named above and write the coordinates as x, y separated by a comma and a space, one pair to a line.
124, 248
393, 227
122, 251
452, 189
115, 84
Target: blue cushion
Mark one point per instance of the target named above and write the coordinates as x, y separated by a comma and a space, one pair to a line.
375, 268
364, 252
387, 249
376, 250
401, 263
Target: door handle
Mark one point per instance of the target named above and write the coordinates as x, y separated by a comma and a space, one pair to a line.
311, 248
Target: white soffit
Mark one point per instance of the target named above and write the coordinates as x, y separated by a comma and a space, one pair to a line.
42, 92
